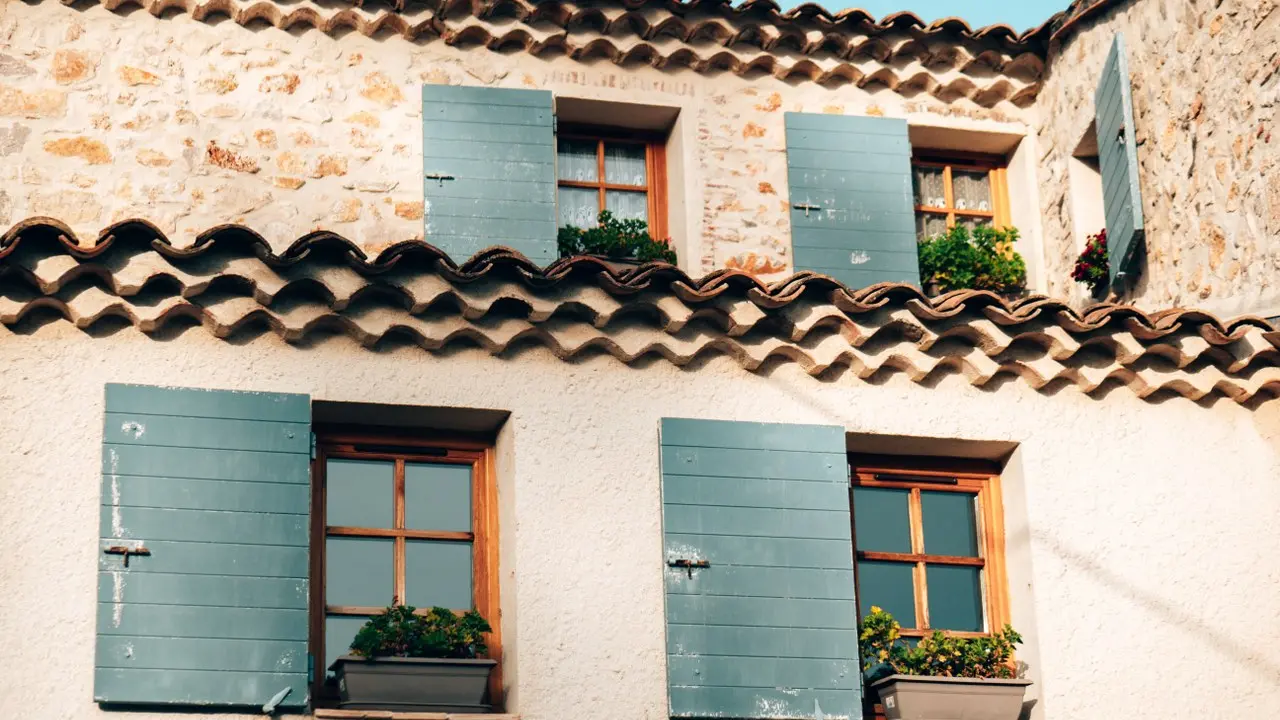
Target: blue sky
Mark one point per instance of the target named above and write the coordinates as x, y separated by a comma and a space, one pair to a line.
1020, 14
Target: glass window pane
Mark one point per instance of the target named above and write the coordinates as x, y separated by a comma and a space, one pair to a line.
627, 205
880, 519
928, 185
955, 597
437, 496
358, 571
579, 207
971, 189
972, 222
339, 631
929, 225
624, 164
438, 573
577, 160
359, 493
890, 587
950, 523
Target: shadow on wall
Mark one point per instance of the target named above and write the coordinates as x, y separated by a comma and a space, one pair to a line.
1227, 647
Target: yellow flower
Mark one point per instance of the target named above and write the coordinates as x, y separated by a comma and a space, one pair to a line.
875, 609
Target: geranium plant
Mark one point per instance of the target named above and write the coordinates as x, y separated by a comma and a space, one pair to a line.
1092, 267
938, 655
981, 259
615, 239
400, 632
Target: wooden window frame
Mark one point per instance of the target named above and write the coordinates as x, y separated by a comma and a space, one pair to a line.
997, 176
655, 171
970, 478
399, 447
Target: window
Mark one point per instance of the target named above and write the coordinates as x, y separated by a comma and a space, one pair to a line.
624, 173
953, 191
400, 519
929, 543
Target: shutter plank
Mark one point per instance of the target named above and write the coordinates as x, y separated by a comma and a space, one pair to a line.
856, 173
499, 146
1118, 160
768, 629
197, 687
215, 485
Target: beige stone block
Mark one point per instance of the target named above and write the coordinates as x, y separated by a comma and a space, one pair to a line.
224, 158
288, 183
365, 118
285, 83
36, 104
68, 206
151, 158
380, 89
329, 165
409, 210
346, 210
218, 83
71, 66
266, 139
133, 76
91, 151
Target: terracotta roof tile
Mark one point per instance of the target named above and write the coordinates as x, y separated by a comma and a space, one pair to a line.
230, 281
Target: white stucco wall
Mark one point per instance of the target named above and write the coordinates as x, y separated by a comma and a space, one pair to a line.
1145, 531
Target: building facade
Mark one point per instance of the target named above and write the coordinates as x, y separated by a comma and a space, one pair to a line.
284, 339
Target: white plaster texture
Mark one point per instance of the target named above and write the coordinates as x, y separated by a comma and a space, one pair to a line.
1204, 78
1141, 533
189, 124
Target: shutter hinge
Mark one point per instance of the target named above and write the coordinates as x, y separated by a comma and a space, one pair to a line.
555, 123
311, 668
313, 446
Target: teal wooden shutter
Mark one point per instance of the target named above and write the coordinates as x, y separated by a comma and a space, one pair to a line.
852, 213
216, 486
768, 629
489, 163
1118, 157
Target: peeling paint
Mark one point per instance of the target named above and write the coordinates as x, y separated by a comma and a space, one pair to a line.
117, 598
136, 429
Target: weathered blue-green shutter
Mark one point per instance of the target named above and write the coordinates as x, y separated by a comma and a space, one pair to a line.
489, 162
852, 214
768, 629
216, 486
1118, 157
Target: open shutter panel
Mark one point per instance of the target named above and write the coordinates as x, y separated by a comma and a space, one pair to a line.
215, 485
1118, 156
768, 629
489, 162
852, 214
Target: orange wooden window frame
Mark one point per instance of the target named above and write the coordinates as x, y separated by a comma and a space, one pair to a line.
997, 179
400, 449
655, 189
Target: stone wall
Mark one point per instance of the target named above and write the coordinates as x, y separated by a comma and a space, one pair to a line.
1205, 77
189, 124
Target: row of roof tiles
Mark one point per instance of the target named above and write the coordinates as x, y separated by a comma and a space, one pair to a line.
230, 281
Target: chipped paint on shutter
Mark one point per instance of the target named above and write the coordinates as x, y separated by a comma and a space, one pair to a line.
1118, 158
215, 486
768, 629
489, 171
852, 214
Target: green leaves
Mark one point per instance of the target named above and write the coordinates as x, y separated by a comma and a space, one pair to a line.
981, 260
400, 632
936, 655
614, 238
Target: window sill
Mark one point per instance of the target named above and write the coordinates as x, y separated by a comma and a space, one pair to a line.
329, 714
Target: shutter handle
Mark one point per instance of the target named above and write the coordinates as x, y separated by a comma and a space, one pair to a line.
126, 551
1120, 134
439, 178
806, 207
688, 565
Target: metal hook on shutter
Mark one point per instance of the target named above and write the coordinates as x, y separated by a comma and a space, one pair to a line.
275, 700
1120, 135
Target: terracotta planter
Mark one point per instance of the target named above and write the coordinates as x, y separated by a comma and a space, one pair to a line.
413, 684
910, 697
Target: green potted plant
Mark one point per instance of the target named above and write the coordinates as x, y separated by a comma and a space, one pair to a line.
1093, 268
943, 677
981, 259
402, 660
618, 242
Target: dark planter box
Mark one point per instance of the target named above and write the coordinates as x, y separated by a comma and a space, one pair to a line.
910, 697
413, 684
